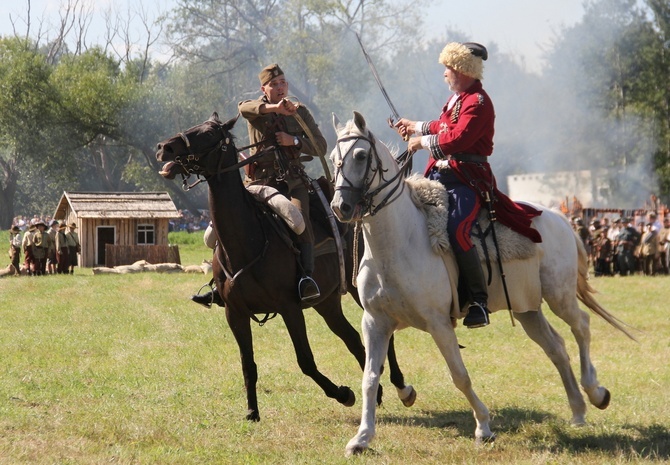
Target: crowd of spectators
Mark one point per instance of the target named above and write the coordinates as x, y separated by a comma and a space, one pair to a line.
47, 246
189, 222
626, 245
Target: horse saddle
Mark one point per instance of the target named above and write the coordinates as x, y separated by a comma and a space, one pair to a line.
279, 204
431, 198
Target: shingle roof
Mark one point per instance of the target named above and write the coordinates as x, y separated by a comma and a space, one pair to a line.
117, 205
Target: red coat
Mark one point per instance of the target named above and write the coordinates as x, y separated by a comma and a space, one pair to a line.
467, 127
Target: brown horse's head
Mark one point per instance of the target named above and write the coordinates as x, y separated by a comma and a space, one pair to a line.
196, 150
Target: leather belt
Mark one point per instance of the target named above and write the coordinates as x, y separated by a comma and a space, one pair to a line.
469, 157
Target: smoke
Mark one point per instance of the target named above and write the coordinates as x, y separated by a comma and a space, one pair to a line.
554, 126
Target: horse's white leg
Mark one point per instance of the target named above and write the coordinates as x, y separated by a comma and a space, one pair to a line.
579, 322
445, 338
539, 330
377, 332
563, 270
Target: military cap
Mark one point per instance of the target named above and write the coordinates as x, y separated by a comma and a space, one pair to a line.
72, 225
15, 229
268, 73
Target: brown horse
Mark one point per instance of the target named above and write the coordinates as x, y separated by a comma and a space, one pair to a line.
255, 267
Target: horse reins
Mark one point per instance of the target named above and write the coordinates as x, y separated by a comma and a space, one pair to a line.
219, 146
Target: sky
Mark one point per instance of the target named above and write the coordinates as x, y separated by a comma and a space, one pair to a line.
519, 27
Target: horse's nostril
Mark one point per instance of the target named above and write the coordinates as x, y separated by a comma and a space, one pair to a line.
345, 208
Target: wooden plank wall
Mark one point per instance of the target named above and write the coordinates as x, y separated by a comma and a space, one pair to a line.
128, 254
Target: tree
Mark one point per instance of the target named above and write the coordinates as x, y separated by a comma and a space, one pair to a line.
26, 98
602, 67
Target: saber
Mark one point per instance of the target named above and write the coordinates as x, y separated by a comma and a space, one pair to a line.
395, 114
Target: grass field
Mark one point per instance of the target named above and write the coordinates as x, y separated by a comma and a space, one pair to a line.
124, 369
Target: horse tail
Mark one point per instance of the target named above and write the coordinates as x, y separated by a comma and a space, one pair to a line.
585, 293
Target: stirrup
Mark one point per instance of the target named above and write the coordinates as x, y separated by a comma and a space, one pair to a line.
477, 317
308, 289
206, 299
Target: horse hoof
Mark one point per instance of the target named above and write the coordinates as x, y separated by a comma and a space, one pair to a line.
253, 415
410, 399
485, 440
346, 396
355, 450
606, 400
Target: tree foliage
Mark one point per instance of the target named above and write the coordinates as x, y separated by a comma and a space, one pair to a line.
76, 116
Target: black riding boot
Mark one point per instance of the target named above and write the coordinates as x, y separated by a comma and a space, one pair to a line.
471, 272
209, 298
307, 288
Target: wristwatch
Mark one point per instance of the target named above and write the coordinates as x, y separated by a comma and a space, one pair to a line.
296, 141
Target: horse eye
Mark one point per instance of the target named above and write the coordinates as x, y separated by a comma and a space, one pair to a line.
360, 154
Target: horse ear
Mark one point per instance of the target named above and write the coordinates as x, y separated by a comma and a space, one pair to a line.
228, 125
336, 122
215, 117
359, 121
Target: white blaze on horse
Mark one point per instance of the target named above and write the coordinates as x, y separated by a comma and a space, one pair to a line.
403, 282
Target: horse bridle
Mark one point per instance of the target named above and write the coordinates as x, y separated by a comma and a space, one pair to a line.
189, 163
371, 173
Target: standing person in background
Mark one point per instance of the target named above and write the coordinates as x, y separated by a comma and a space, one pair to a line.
637, 254
27, 246
39, 249
613, 235
15, 248
49, 245
459, 143
62, 251
664, 245
602, 252
73, 246
51, 253
626, 243
649, 250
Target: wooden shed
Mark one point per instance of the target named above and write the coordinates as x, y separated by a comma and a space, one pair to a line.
119, 228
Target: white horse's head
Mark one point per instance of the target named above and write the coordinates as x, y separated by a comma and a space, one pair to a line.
364, 170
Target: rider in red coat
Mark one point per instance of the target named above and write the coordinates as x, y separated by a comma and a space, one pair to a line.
459, 143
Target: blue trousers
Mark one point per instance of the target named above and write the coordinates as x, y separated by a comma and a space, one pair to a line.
464, 206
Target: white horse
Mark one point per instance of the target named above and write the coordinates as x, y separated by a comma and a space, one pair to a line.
402, 282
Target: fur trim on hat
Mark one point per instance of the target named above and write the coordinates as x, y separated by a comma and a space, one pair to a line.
459, 57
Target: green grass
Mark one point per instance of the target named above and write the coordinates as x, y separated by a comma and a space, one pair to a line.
192, 249
124, 369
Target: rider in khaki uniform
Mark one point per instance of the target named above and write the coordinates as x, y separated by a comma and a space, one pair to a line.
273, 121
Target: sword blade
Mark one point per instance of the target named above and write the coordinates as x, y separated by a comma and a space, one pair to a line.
377, 78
